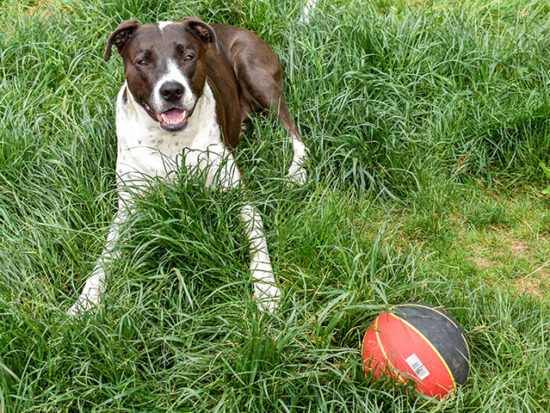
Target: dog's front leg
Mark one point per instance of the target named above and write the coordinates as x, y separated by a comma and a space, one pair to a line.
95, 285
265, 291
222, 170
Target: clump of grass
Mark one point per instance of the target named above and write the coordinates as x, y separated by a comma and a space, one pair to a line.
488, 213
546, 171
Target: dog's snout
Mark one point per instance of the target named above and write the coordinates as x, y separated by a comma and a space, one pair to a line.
171, 91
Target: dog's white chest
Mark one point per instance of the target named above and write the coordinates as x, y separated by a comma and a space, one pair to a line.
146, 150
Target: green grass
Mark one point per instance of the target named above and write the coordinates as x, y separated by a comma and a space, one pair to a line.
426, 122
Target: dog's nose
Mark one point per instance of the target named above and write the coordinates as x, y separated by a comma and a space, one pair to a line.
171, 91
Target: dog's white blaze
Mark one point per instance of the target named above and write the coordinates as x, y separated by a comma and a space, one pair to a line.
162, 25
173, 74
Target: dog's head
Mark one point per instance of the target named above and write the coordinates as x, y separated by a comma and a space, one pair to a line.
164, 65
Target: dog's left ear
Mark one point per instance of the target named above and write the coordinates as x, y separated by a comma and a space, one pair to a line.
200, 29
121, 36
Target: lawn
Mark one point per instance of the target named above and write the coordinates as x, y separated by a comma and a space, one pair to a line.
427, 122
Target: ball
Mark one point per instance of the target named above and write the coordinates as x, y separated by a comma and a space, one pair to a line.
420, 342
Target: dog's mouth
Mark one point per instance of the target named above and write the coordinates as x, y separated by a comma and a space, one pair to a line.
172, 120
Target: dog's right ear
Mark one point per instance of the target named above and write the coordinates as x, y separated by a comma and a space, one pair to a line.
121, 36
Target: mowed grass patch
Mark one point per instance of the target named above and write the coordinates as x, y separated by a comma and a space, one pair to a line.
406, 107
499, 237
508, 240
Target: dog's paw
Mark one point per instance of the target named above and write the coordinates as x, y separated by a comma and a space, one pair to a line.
267, 296
297, 174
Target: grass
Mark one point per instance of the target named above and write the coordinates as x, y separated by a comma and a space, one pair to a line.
426, 122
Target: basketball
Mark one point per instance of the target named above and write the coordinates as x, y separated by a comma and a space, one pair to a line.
420, 342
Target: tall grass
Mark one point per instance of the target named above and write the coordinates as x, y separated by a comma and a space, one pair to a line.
408, 109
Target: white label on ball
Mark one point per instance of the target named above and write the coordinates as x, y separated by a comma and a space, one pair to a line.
417, 366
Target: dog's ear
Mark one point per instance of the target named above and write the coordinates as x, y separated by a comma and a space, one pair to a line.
121, 36
200, 29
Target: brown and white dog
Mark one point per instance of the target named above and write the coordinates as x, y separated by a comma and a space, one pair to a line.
189, 86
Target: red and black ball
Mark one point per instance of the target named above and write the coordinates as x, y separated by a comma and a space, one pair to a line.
420, 342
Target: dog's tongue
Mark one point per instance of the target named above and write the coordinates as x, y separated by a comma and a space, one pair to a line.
173, 116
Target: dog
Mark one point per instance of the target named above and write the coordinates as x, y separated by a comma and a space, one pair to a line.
189, 87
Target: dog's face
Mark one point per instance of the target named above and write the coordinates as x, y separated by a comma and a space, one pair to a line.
164, 65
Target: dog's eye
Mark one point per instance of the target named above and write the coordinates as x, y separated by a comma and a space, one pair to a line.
188, 58
143, 62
